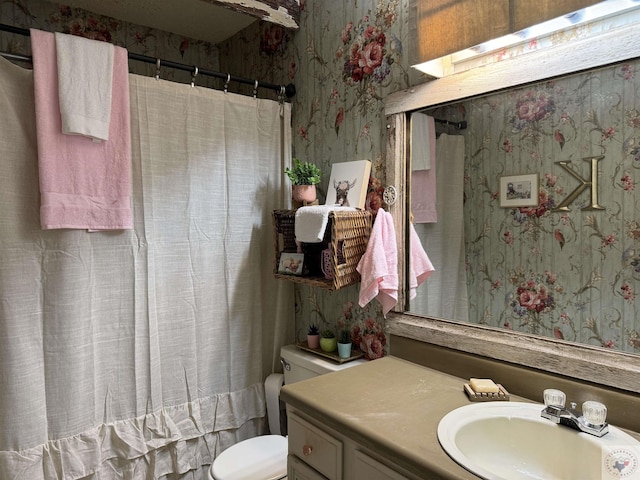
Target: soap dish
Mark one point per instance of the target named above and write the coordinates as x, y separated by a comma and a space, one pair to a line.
502, 395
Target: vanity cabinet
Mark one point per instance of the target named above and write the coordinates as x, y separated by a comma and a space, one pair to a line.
317, 452
373, 421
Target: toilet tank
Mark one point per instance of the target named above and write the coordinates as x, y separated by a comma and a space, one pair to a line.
299, 364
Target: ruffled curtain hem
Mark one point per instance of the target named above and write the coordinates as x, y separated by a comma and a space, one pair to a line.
174, 439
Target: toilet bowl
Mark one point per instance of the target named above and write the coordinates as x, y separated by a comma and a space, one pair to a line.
258, 458
265, 457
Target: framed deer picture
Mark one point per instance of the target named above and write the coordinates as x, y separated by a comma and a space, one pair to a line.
348, 184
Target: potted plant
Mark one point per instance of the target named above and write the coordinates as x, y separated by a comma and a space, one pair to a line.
344, 344
304, 177
328, 341
313, 336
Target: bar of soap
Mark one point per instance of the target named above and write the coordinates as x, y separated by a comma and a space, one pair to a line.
483, 385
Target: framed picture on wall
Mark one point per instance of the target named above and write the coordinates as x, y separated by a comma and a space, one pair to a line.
519, 190
291, 263
348, 184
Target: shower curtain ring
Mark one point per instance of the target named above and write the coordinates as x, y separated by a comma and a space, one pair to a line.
157, 69
255, 89
193, 77
226, 84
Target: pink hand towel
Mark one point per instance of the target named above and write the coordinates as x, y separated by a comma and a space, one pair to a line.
378, 267
420, 267
83, 184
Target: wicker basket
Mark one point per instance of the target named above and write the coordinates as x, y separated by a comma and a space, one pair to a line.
347, 235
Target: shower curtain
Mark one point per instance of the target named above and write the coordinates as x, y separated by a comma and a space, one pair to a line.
142, 354
444, 293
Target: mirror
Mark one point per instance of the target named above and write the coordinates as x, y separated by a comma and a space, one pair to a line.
547, 289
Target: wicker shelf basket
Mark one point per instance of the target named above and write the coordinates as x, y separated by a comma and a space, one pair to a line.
347, 235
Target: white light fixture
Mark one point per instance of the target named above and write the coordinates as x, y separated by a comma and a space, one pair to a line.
589, 21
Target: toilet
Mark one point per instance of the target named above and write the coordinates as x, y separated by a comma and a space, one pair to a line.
265, 457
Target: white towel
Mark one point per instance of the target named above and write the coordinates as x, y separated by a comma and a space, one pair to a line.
423, 141
311, 222
85, 74
378, 267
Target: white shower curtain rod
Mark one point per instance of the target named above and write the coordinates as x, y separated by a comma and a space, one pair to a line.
282, 90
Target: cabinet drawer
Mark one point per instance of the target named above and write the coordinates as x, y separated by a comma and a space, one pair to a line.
315, 447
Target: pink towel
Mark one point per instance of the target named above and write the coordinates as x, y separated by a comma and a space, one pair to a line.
378, 267
423, 181
420, 267
83, 184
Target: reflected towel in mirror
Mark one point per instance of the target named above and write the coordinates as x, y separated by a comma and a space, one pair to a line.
423, 166
420, 267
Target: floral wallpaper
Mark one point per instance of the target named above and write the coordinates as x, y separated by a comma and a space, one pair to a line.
572, 274
345, 59
135, 38
579, 280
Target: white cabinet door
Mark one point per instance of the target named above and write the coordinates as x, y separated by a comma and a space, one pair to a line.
298, 470
366, 468
317, 448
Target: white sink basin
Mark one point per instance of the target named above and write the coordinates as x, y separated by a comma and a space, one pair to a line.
510, 441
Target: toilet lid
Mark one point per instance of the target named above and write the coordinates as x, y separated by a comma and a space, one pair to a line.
263, 458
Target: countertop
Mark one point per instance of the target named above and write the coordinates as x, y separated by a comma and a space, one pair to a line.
390, 406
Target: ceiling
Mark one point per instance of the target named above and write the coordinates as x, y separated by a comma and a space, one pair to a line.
197, 19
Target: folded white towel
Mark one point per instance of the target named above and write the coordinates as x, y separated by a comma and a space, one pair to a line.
85, 74
423, 141
311, 222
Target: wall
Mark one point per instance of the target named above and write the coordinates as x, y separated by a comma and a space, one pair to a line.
571, 274
136, 38
344, 60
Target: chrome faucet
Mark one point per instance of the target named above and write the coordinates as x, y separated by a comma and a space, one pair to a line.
591, 421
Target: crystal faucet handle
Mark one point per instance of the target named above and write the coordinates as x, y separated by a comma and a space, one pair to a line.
594, 413
554, 397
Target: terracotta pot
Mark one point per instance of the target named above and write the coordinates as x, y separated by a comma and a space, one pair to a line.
313, 341
303, 193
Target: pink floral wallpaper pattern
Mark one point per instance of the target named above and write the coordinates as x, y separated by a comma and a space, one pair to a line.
135, 38
571, 274
580, 278
345, 59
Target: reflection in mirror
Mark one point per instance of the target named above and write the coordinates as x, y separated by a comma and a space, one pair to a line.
437, 189
566, 264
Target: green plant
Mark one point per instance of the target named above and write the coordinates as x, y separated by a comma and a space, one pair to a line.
344, 336
303, 173
313, 329
328, 334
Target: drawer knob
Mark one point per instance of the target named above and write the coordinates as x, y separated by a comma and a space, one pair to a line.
307, 450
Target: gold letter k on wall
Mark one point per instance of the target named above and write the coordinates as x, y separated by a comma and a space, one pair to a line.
584, 184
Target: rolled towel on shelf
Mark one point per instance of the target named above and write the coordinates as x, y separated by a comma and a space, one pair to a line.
311, 222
